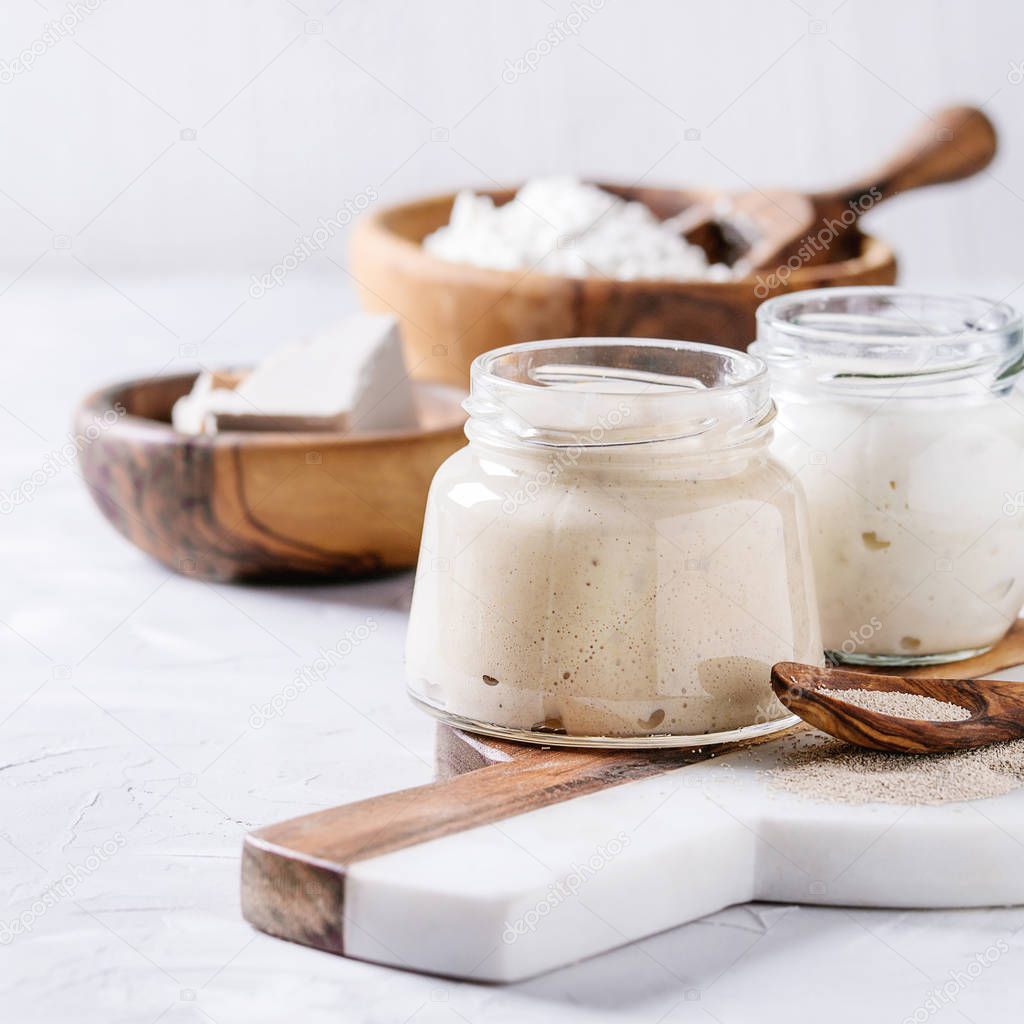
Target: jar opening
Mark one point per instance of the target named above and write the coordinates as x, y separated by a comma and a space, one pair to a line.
853, 338
607, 391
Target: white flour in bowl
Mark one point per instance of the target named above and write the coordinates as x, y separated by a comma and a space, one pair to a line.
563, 226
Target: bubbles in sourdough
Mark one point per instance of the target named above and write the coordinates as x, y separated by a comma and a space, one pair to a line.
614, 603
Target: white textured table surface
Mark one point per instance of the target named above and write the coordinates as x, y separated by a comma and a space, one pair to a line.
127, 726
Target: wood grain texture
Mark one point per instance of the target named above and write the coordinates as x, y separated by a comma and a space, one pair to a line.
996, 706
268, 505
950, 145
293, 872
453, 312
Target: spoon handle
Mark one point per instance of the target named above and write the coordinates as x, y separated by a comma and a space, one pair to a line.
953, 144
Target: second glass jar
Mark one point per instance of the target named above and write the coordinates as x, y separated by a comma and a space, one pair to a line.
899, 414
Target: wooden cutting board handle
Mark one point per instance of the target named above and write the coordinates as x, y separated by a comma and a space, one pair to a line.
953, 144
293, 872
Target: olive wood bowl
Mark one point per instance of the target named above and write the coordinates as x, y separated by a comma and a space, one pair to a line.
452, 312
263, 505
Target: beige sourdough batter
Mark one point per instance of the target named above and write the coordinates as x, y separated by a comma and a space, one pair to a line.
917, 519
610, 594
902, 414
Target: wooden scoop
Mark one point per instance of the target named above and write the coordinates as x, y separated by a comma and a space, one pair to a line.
997, 709
766, 228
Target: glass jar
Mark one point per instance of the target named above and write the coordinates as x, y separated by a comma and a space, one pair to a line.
898, 412
615, 559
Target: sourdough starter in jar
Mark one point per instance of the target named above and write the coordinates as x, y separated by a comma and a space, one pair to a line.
898, 412
614, 556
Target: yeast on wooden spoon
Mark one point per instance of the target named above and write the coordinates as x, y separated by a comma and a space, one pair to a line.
816, 694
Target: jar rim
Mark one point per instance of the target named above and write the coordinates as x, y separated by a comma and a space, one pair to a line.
819, 315
482, 367
866, 335
603, 392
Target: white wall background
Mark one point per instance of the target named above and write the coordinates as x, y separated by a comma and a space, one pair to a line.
126, 247
161, 153
296, 106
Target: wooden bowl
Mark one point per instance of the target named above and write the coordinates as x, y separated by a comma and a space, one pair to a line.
262, 506
451, 312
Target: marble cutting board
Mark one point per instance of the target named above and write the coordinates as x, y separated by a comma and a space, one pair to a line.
521, 859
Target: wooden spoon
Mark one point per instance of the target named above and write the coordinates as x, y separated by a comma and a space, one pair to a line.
773, 226
997, 709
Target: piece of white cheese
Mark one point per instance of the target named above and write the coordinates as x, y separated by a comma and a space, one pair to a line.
350, 377
211, 392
